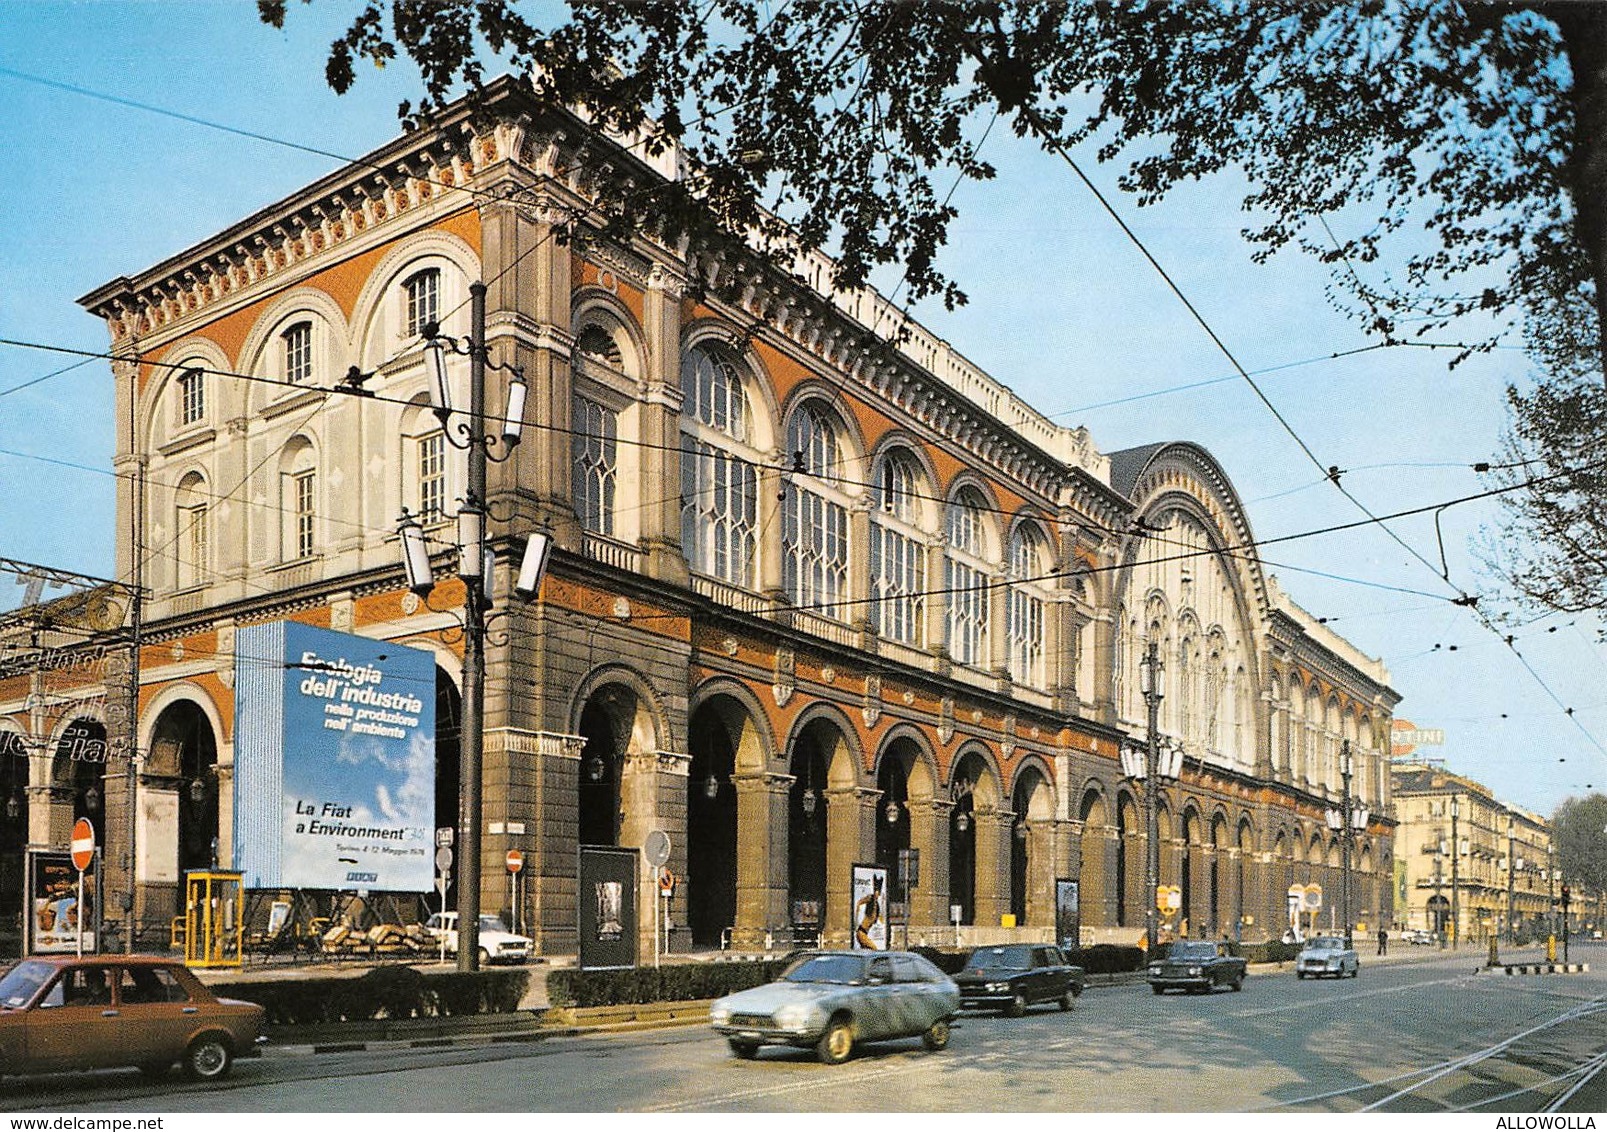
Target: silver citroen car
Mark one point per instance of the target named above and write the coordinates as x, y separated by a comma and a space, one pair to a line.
834, 1000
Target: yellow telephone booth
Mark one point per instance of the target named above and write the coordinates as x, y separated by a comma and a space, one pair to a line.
214, 920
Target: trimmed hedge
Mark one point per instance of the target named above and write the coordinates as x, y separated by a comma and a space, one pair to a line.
395, 991
1107, 958
679, 982
1273, 951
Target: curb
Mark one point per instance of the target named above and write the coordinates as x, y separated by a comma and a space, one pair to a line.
1543, 969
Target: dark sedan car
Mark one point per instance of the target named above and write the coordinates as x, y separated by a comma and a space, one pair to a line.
1013, 976
100, 1011
1197, 966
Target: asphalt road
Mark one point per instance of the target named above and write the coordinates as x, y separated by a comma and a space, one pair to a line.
1422, 1033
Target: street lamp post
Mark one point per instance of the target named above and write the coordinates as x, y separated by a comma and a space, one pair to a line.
1152, 681
1350, 817
475, 562
1512, 872
1439, 870
1456, 853
1151, 766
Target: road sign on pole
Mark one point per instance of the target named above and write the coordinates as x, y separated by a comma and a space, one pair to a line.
516, 860
83, 847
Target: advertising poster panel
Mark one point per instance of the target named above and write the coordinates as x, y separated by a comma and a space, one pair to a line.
53, 911
334, 781
870, 907
607, 888
1068, 913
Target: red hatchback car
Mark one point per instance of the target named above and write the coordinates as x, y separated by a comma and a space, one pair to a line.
102, 1011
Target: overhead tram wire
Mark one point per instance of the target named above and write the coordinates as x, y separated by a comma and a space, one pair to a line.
1463, 598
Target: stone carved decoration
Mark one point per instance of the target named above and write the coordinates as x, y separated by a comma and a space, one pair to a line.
785, 677
945, 720
340, 617
729, 646
411, 604
909, 697
1007, 745
828, 675
872, 711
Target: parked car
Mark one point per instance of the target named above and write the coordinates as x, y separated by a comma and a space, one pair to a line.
1197, 966
834, 1000
101, 1011
1014, 976
1418, 936
497, 943
1327, 955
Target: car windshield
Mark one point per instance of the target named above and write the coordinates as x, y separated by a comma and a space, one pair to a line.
1192, 951
491, 924
1326, 943
22, 982
1001, 958
826, 969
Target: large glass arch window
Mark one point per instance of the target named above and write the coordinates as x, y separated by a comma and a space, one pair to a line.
967, 579
719, 474
193, 545
814, 539
1026, 605
298, 501
898, 551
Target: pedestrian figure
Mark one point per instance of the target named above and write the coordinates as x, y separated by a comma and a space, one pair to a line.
1383, 941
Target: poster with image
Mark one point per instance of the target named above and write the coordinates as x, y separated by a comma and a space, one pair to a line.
54, 913
1068, 913
869, 891
334, 760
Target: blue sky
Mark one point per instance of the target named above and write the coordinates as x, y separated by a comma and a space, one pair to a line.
1064, 309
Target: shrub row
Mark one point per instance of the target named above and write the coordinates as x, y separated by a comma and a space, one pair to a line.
1107, 958
678, 982
395, 991
1273, 951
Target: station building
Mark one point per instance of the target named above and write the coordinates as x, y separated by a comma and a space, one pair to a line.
822, 589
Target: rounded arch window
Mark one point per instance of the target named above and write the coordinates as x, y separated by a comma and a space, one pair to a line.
1026, 605
815, 534
713, 392
193, 544
898, 550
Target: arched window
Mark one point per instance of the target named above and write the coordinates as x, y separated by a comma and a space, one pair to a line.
1025, 607
193, 546
421, 301
966, 579
898, 552
298, 501
595, 449
295, 353
814, 540
719, 480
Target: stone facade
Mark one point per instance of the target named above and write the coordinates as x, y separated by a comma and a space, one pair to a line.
821, 591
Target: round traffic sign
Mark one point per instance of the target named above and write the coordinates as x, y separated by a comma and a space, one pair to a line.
516, 860
657, 847
83, 844
443, 858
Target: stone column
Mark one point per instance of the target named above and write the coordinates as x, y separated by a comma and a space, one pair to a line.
850, 840
929, 832
1041, 856
992, 865
552, 886
762, 876
661, 431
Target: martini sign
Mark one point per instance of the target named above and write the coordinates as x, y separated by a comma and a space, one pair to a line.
335, 760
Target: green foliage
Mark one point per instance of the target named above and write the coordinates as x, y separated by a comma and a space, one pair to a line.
1579, 828
679, 982
1109, 958
388, 992
1272, 951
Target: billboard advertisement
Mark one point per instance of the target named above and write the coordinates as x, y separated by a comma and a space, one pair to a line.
607, 913
869, 891
1068, 913
334, 782
55, 916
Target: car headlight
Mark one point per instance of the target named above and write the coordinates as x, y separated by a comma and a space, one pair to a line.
1194, 970
794, 1017
719, 1015
997, 988
1155, 969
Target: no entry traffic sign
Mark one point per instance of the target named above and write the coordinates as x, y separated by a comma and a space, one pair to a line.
83, 844
516, 860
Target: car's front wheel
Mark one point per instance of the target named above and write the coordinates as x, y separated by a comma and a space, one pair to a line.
937, 1034
1237, 983
1067, 999
208, 1058
747, 1051
1017, 1007
1157, 988
837, 1042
